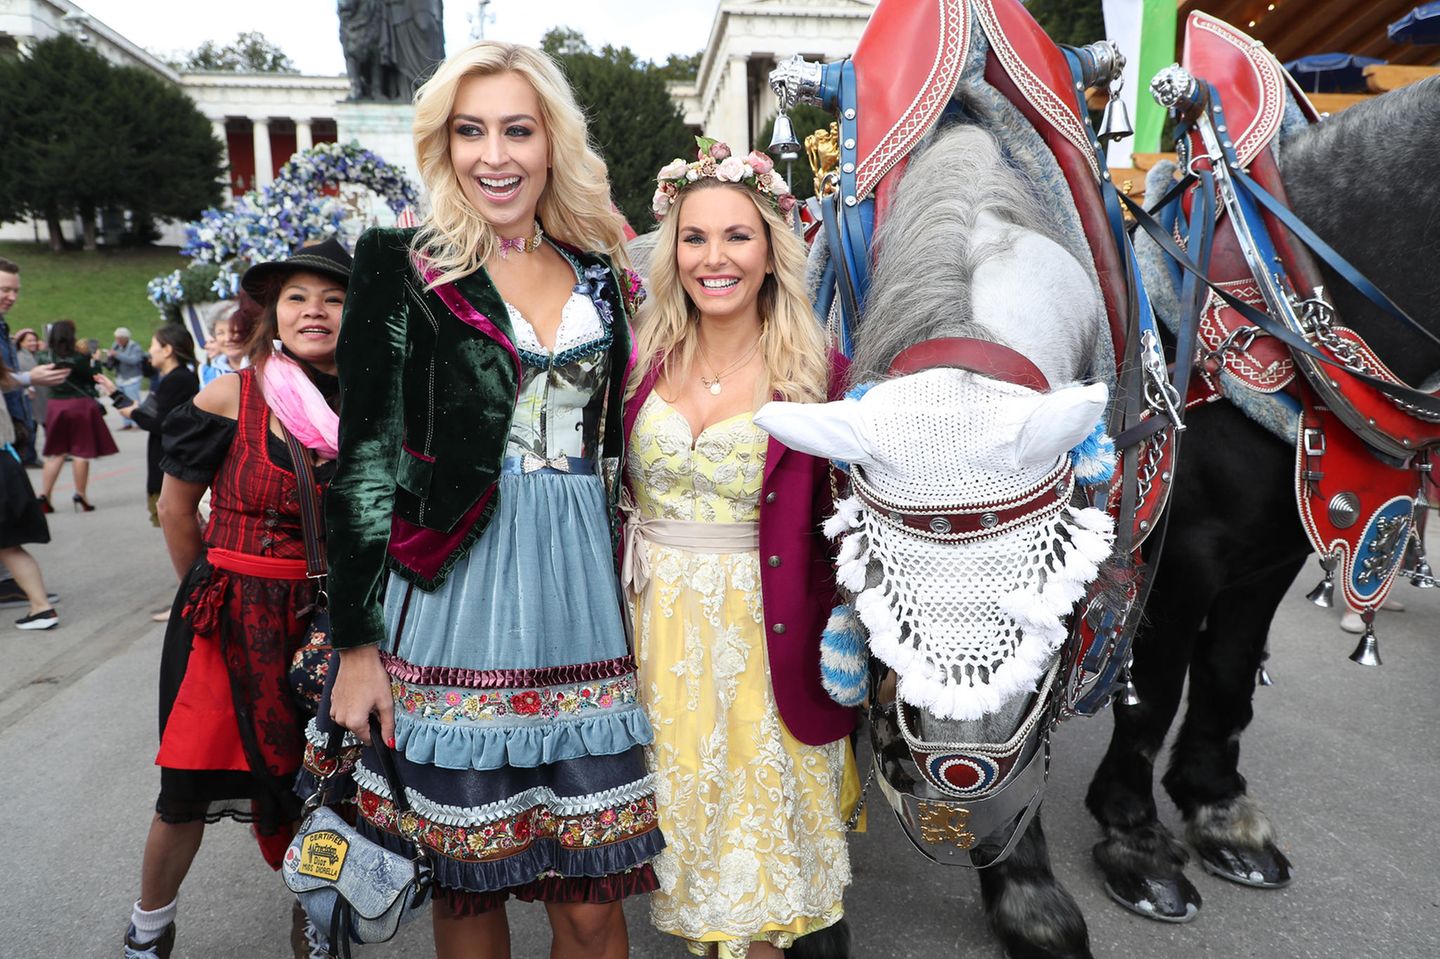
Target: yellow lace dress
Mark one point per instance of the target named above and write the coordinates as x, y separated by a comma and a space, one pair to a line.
752, 817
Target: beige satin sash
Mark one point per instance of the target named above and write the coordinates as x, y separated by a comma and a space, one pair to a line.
700, 537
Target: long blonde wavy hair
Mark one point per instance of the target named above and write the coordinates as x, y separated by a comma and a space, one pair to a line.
575, 204
792, 343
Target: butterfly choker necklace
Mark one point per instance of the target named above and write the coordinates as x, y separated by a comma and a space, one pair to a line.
520, 244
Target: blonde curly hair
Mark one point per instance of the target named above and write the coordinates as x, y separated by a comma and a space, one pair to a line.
575, 206
792, 343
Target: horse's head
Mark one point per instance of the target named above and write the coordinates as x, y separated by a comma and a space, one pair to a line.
961, 548
962, 556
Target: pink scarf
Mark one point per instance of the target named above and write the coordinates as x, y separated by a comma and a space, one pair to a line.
301, 408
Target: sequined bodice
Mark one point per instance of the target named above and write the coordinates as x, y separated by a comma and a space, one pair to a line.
713, 477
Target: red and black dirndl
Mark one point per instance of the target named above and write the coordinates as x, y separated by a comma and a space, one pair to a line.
231, 737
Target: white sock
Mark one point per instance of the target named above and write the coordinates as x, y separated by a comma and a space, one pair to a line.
149, 925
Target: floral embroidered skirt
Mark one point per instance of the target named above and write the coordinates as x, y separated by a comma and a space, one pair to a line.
753, 818
517, 720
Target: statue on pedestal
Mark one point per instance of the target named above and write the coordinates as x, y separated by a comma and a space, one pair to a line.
390, 46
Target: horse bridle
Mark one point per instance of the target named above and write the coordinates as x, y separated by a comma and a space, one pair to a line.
977, 827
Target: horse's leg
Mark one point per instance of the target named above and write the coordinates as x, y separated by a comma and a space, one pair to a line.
1142, 861
1031, 913
1227, 829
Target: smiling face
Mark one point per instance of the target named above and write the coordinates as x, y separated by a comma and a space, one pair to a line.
307, 315
500, 150
9, 290
721, 252
29, 341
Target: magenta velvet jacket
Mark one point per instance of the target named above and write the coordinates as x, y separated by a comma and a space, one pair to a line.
797, 580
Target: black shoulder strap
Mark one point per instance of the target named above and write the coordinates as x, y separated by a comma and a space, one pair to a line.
316, 565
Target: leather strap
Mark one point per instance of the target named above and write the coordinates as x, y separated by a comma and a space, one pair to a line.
1427, 402
849, 301
967, 522
978, 356
310, 519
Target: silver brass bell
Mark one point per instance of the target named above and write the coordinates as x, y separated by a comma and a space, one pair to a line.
1421, 575
1367, 652
1115, 122
1129, 695
783, 144
1323, 595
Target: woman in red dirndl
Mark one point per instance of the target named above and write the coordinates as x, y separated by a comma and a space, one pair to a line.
231, 734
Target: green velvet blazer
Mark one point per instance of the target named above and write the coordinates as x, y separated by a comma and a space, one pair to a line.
428, 385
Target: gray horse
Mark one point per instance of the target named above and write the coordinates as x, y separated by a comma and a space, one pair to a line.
969, 634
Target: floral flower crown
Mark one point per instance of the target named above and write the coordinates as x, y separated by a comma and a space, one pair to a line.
714, 159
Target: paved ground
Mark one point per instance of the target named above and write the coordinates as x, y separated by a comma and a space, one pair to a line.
1343, 757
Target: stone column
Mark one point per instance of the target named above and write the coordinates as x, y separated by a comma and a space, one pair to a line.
729, 118
264, 166
217, 126
303, 137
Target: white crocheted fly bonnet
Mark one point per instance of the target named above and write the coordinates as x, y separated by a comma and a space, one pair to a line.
963, 507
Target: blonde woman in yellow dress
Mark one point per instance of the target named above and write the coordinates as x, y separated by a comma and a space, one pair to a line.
727, 570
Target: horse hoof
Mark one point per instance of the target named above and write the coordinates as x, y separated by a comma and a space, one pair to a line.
1172, 899
1265, 868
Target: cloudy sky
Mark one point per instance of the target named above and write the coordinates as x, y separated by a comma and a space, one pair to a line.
308, 30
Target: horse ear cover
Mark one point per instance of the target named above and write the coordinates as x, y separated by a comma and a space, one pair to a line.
834, 431
1057, 422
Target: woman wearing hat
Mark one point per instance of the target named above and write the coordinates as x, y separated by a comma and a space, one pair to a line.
230, 736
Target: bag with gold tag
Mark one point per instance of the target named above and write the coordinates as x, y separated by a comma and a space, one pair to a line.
353, 889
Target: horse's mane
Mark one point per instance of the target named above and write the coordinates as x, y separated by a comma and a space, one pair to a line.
925, 260
1367, 180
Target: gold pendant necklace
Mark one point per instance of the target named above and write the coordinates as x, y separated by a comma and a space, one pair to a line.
713, 382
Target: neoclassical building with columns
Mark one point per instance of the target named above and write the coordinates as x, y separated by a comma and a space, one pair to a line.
731, 98
263, 118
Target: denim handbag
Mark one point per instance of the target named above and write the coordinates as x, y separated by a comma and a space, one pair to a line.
353, 889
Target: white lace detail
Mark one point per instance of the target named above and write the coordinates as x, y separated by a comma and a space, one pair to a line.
315, 941
504, 808
579, 324
969, 625
751, 817
966, 625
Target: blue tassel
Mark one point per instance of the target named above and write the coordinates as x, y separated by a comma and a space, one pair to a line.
1094, 459
843, 658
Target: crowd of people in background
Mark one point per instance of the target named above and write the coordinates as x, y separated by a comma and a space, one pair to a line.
52, 381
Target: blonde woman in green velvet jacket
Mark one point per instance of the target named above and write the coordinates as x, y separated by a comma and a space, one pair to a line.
473, 577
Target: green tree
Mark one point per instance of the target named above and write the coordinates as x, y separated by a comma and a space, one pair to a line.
633, 121
682, 68
78, 135
247, 53
805, 120
1076, 22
